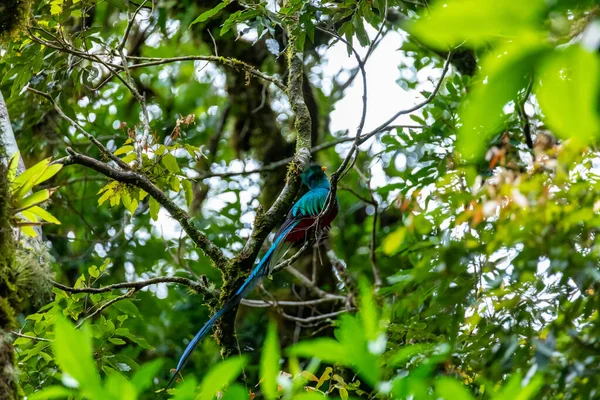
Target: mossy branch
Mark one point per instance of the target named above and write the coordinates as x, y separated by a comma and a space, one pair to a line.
264, 223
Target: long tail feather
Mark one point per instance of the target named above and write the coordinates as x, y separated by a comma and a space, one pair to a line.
259, 272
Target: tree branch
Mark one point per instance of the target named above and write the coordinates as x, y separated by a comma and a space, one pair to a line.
197, 286
284, 303
315, 149
105, 152
143, 182
230, 62
104, 306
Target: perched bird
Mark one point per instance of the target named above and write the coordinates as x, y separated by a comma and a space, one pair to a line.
299, 226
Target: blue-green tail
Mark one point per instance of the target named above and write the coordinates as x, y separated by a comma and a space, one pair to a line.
259, 272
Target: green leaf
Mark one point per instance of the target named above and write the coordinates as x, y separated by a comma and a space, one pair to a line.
513, 390
24, 182
236, 392
120, 388
325, 349
44, 215
405, 353
117, 341
361, 33
394, 240
568, 93
49, 173
56, 7
451, 389
131, 204
143, 377
175, 184
269, 363
188, 191
311, 396
129, 158
123, 150
210, 13
154, 208
33, 199
127, 307
13, 165
94, 271
300, 39
368, 310
105, 196
170, 163
503, 74
220, 376
51, 392
229, 22
476, 22
73, 354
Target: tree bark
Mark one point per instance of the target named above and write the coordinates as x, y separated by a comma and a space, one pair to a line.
19, 292
8, 382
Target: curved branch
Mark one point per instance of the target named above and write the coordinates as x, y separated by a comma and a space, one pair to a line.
199, 287
105, 152
230, 62
315, 149
143, 182
104, 306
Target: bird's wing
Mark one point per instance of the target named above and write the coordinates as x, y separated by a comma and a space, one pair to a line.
301, 219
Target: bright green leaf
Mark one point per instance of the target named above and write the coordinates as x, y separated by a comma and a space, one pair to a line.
568, 93
123, 150
33, 199
325, 349
73, 353
210, 13
504, 72
220, 376
44, 215
394, 240
170, 163
154, 208
450, 389
476, 22
269, 363
51, 392
188, 191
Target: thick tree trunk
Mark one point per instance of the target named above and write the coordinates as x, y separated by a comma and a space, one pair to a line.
8, 376
24, 274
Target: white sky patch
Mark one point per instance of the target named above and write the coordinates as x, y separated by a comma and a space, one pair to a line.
384, 96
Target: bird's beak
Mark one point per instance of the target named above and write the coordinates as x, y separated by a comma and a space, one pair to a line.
323, 168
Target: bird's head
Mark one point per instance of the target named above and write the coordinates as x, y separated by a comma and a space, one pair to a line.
314, 176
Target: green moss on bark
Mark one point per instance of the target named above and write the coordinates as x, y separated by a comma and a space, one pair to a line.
8, 294
14, 16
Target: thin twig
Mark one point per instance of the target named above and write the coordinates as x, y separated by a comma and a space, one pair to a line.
284, 303
523, 115
323, 146
311, 286
316, 318
106, 305
105, 152
130, 25
373, 256
143, 182
230, 62
21, 335
197, 286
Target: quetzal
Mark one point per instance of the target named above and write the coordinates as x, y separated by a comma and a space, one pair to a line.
299, 226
